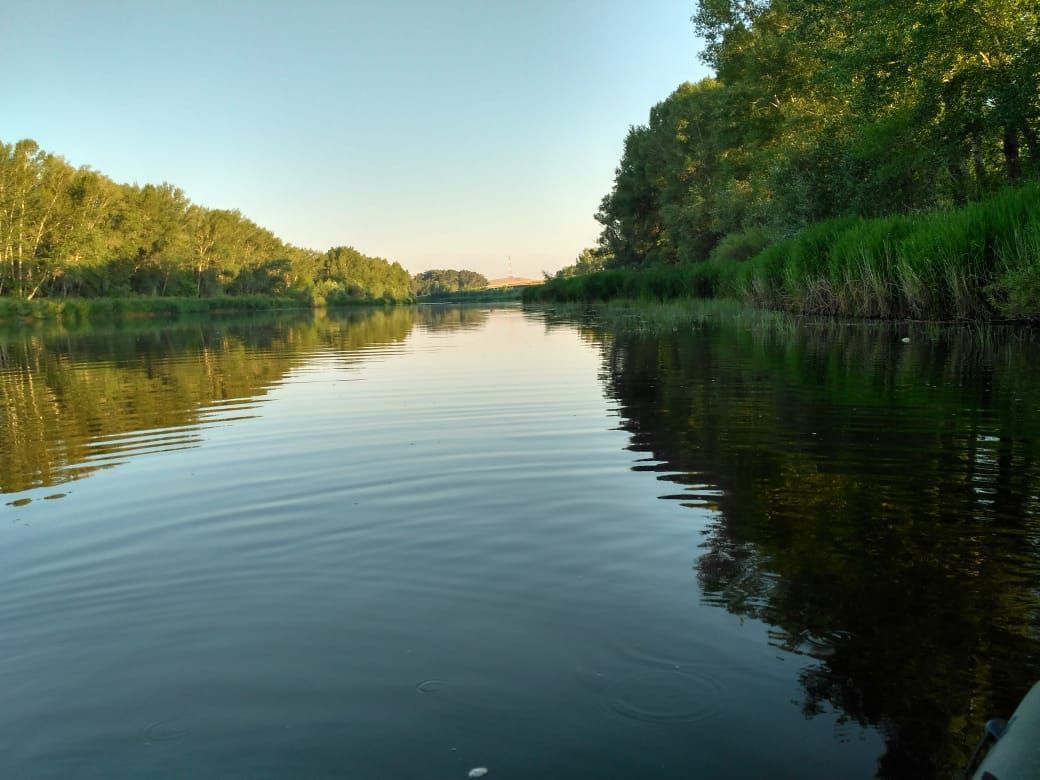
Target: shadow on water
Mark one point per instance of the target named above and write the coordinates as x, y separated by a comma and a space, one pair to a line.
75, 401
877, 503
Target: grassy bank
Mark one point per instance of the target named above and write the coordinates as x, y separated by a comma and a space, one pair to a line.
76, 310
978, 262
655, 283
491, 295
73, 310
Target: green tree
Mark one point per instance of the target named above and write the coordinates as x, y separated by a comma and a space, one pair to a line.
447, 281
67, 231
588, 261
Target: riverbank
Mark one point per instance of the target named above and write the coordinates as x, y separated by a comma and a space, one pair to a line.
978, 262
490, 295
78, 310
83, 309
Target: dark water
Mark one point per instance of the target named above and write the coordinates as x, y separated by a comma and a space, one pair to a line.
403, 544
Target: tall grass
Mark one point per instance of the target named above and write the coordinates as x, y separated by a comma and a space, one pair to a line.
73, 311
978, 262
656, 283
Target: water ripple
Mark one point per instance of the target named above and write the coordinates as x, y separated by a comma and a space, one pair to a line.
687, 694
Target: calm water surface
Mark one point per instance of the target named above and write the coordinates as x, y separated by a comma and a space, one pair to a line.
407, 543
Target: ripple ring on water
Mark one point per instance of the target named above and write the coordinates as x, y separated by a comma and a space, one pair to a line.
662, 695
430, 686
165, 731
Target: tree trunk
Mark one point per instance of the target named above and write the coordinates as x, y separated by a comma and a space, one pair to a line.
1033, 145
18, 270
1011, 159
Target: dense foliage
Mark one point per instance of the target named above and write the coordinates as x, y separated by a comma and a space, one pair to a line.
67, 231
588, 261
979, 261
447, 281
818, 110
848, 157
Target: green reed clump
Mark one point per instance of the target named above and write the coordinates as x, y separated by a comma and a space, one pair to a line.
18, 308
653, 283
114, 308
977, 262
761, 282
74, 311
1014, 292
861, 266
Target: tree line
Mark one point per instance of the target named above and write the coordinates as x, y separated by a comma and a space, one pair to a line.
844, 108
68, 231
447, 281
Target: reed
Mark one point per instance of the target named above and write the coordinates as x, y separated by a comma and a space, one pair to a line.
72, 311
978, 262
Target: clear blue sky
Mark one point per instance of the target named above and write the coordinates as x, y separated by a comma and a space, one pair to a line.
438, 134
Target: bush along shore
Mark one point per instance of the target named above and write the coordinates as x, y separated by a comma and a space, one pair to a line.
79, 310
489, 295
981, 261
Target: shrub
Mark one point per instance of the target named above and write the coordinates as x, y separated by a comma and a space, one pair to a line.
740, 246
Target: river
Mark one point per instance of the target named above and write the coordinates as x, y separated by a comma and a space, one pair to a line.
410, 542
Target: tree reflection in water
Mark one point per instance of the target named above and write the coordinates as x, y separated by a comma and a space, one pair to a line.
878, 504
78, 401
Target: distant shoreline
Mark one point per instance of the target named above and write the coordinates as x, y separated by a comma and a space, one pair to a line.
79, 310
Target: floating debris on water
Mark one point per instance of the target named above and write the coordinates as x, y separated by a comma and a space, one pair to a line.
478, 771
